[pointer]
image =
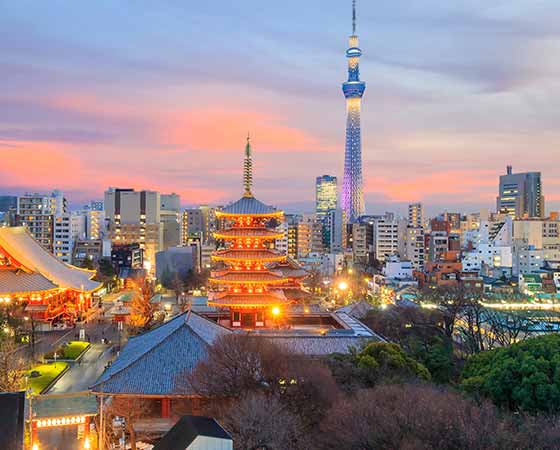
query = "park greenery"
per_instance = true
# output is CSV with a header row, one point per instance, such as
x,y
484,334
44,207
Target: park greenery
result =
x,y
522,377
40,377
70,350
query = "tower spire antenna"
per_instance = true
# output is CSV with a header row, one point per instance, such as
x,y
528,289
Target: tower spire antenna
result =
x,y
248,169
353,17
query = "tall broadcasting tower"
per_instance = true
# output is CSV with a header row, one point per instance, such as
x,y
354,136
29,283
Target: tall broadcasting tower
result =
x,y
352,185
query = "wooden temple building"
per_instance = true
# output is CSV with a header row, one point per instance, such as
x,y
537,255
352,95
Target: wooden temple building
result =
x,y
252,281
50,289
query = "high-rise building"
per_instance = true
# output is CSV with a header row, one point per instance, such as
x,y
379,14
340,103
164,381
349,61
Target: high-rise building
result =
x,y
415,215
520,194
47,219
135,217
170,220
388,234
325,194
414,247
201,222
353,89
309,235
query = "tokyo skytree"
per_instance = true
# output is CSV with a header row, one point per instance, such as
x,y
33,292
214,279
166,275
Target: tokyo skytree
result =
x,y
353,89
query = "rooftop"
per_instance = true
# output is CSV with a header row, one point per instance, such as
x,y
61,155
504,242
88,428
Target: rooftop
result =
x,y
18,243
250,206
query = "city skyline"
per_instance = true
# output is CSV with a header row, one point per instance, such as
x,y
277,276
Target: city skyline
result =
x,y
442,119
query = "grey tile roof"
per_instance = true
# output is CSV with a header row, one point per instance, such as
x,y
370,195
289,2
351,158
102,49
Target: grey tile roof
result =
x,y
321,345
15,282
153,362
248,205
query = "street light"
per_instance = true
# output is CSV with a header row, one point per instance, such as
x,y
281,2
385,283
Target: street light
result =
x,y
35,447
276,311
342,285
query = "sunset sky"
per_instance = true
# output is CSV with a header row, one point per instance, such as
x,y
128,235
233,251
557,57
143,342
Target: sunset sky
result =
x,y
161,94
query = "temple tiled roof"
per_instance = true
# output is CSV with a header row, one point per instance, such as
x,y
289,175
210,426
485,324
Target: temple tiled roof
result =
x,y
321,345
248,277
248,255
18,282
248,206
153,363
21,246
233,233
244,299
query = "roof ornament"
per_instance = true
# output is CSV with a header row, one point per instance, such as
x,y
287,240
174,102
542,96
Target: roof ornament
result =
x,y
353,17
248,169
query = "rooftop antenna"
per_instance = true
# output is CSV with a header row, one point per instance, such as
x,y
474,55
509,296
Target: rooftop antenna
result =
x,y
353,17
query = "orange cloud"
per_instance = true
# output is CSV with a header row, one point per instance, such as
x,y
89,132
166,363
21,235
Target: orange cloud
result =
x,y
455,185
219,129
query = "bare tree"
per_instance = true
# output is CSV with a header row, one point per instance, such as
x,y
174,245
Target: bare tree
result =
x,y
412,417
12,367
131,409
236,365
257,422
507,327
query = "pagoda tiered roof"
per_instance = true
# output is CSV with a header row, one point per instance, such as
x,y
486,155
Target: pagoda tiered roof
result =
x,y
248,300
289,268
247,277
248,206
243,255
255,233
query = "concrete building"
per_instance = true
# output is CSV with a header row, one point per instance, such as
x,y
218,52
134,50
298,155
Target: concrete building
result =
x,y
170,220
414,247
47,219
396,269
135,217
388,234
309,235
201,222
416,215
360,241
63,243
520,195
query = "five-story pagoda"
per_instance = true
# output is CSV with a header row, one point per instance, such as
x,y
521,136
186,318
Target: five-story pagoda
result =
x,y
244,280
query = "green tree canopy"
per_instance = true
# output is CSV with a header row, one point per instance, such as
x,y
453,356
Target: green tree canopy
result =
x,y
525,376
377,362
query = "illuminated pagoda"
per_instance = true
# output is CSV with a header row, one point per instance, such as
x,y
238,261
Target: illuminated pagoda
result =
x,y
50,289
251,279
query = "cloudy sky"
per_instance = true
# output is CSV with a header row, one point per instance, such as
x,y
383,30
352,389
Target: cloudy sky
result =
x,y
161,94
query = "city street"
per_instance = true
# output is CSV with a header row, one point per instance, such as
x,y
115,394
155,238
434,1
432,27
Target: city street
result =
x,y
82,374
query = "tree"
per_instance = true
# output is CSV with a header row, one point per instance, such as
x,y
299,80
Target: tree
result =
x,y
238,366
412,417
525,376
378,362
257,422
131,409
142,309
106,268
12,367
420,332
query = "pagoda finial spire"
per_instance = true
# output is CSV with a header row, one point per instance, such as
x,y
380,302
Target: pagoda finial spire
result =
x,y
353,17
248,169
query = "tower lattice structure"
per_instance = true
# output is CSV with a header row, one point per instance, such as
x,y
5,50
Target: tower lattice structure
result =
x,y
353,89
